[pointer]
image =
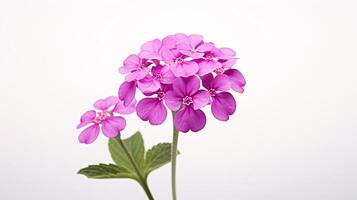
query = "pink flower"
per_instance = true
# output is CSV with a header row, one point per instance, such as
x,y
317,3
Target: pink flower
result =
x,y
192,45
187,99
153,109
136,67
104,118
223,103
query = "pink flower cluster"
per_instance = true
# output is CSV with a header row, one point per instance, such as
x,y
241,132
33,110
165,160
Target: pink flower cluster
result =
x,y
170,72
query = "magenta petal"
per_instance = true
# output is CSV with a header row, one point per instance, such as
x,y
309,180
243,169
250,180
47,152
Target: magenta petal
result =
x,y
108,130
227,64
169,42
150,50
167,76
86,118
113,125
205,47
121,109
148,84
89,135
200,99
223,105
168,55
228,52
130,64
138,74
186,86
189,119
172,100
207,66
182,38
237,80
185,69
207,81
183,47
104,104
195,40
117,122
151,109
221,83
127,92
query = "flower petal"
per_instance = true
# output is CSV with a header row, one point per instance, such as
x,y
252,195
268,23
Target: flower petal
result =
x,y
130,64
227,64
172,100
86,118
228,52
205,47
195,40
127,91
108,130
152,110
113,125
89,135
185,69
207,81
223,105
189,119
221,83
104,104
148,84
169,42
187,86
182,38
121,109
207,66
237,80
200,99
167,76
150,50
138,74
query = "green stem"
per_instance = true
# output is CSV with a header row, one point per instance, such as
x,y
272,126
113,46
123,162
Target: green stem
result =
x,y
173,159
142,180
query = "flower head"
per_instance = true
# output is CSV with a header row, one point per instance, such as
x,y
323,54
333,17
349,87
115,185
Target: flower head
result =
x,y
170,73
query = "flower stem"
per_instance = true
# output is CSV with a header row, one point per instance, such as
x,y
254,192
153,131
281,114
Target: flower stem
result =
x,y
173,159
142,181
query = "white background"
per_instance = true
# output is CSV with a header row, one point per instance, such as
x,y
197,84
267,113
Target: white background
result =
x,y
292,138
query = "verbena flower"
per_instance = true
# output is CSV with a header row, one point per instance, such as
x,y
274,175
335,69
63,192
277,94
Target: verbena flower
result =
x,y
103,118
187,98
170,73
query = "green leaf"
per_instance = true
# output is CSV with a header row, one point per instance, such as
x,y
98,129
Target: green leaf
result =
x,y
158,156
124,167
135,146
101,171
